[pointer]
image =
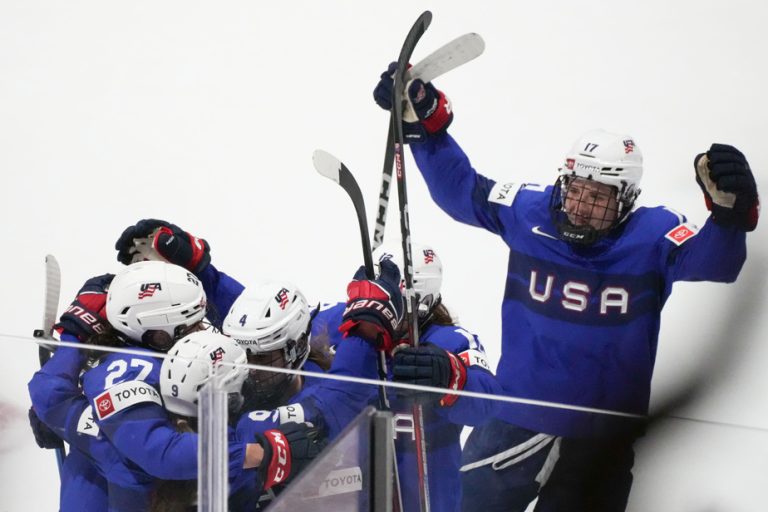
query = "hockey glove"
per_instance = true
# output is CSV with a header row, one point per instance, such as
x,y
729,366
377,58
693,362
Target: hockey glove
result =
x,y
153,239
44,436
287,452
375,308
427,111
87,314
729,187
429,365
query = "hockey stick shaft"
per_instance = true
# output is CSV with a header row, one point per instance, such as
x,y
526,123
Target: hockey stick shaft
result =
x,y
417,30
446,58
335,170
52,294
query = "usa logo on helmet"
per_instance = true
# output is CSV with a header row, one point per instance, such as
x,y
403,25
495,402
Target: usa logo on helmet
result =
x,y
282,298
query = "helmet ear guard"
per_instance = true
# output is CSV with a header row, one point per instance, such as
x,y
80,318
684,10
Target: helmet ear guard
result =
x,y
598,157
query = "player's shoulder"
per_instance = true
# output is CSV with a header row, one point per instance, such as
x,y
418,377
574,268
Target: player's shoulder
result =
x,y
517,193
452,338
661,224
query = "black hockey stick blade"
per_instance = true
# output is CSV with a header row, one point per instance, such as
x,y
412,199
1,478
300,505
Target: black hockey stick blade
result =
x,y
334,169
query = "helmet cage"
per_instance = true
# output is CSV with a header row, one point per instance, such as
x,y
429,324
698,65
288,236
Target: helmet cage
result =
x,y
266,389
585,233
605,158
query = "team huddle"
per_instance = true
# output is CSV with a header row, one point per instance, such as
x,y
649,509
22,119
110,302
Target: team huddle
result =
x,y
588,275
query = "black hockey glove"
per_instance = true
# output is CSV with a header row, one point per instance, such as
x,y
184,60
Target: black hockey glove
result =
x,y
44,436
87,314
287,451
729,187
152,239
428,111
375,308
429,365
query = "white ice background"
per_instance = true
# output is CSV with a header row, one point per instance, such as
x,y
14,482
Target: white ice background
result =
x,y
207,113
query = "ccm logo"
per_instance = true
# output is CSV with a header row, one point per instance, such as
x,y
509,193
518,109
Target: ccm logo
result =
x,y
280,445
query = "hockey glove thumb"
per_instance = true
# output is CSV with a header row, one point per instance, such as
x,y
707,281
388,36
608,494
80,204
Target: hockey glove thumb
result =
x,y
374,308
87,314
44,436
135,242
287,451
429,365
730,191
154,239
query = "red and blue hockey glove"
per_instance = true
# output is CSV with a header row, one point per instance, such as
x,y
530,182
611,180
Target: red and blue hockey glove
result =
x,y
374,308
287,451
729,187
87,314
429,365
44,436
151,239
428,111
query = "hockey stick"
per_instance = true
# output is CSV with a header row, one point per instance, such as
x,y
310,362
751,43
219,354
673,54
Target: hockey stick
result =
x,y
446,58
334,169
52,292
417,30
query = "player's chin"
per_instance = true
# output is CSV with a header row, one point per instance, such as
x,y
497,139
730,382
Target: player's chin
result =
x,y
578,221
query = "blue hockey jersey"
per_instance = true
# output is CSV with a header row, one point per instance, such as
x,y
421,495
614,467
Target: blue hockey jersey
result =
x,y
442,425
579,325
60,404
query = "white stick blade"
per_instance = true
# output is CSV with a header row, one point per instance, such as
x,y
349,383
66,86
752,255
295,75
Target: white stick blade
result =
x,y
448,57
52,290
326,164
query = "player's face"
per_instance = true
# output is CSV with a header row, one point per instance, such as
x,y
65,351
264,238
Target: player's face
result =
x,y
590,203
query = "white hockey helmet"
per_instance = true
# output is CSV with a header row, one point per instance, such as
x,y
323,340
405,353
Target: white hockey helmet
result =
x,y
271,322
608,158
152,297
191,363
427,273
268,316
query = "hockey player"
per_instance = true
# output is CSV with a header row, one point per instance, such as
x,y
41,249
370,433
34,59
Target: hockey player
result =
x,y
263,329
448,357
587,278
93,471
271,321
150,304
185,372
